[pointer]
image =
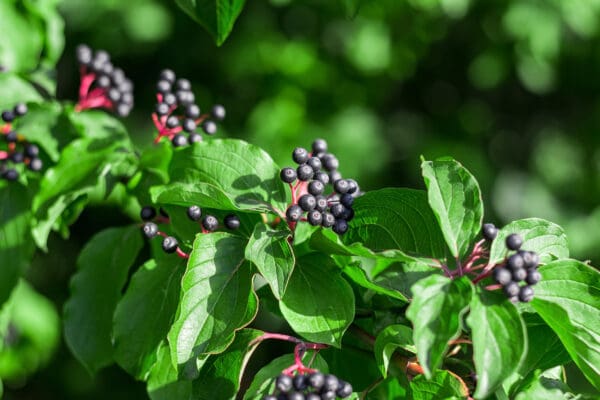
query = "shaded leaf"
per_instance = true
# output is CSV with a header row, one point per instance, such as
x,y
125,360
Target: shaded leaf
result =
x,y
442,385
388,341
216,16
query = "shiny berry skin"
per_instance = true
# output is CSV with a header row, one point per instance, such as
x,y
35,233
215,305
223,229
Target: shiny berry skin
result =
x,y
150,230
502,276
35,164
300,155
288,175
319,146
337,210
304,172
340,227
210,223
232,221
169,99
533,276
334,176
269,397
314,218
192,111
312,396
8,116
341,186
179,140
147,213
344,390
307,202
209,127
167,75
123,110
316,188
316,380
489,232
322,177
11,137
20,110
300,382
530,258
188,125
511,289
218,112
328,395
294,213
195,138
172,122
321,203
284,383
10,175
31,150
183,84
519,274
347,200
169,244
194,213
295,396
314,163
84,54
330,163
515,262
352,186
514,241
328,220
331,383
17,157
526,294
163,86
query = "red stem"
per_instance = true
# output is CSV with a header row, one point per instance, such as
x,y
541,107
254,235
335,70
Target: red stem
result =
x,y
86,83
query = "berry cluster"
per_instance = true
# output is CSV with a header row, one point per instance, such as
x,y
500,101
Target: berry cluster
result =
x,y
210,223
315,171
176,111
519,273
310,386
18,150
102,84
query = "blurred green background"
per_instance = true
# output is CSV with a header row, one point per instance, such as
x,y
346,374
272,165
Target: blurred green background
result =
x,y
510,89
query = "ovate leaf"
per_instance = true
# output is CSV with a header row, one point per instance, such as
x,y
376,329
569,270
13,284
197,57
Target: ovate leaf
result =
x,y
499,340
442,385
455,199
388,341
216,298
188,194
318,303
568,299
163,381
103,266
271,252
544,237
436,312
216,16
15,89
357,275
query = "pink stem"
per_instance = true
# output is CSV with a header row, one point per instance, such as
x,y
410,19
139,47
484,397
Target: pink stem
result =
x,y
493,287
86,83
3,155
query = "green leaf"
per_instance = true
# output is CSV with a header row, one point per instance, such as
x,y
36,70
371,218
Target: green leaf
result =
x,y
318,303
442,385
351,7
216,298
221,375
22,40
188,194
216,16
568,299
16,246
15,89
54,38
388,341
544,237
144,315
396,219
436,313
402,276
455,199
244,172
499,340
103,266
263,382
96,124
358,276
271,252
163,379
548,385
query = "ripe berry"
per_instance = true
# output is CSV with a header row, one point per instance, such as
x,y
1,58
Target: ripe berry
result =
x,y
300,382
150,229
519,274
331,383
334,176
162,109
179,140
114,95
344,390
294,213
163,86
511,289
304,172
10,175
288,175
321,203
210,223
316,188
172,122
209,127
502,276
185,97
315,218
316,380
514,241
189,125
347,200
31,150
123,110
84,54
330,163
312,396
17,157
328,220
232,221
218,112
269,397
307,202
300,155
20,110
340,227
8,116
192,111
526,294
319,146
167,75
169,99
183,84
117,76
103,81
284,383
515,262
11,137
295,396
194,213
195,138
341,186
322,177
533,276
314,163
147,213
530,258
352,186
489,232
35,164
337,210
170,244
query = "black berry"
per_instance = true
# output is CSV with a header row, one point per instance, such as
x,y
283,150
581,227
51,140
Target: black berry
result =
x,y
321,203
147,213
294,213
218,112
209,127
284,383
20,110
334,176
341,186
35,164
300,155
328,220
300,382
194,213
295,396
530,258
31,150
210,223
514,241
179,140
337,210
515,262
312,396
533,276
331,383
195,138
502,276
232,221
319,146
316,188
322,177
344,390
192,111
10,175
340,227
163,86
307,202
330,163
167,75
314,163
288,175
489,232
11,137
162,109
172,122
150,229
170,244
8,116
328,395
347,200
511,289
352,186
17,157
183,84
526,294
315,218
304,172
519,274
269,397
316,380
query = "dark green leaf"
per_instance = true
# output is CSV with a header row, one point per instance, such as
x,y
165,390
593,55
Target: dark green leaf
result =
x,y
396,219
351,7
96,124
221,375
216,299
436,313
103,266
54,38
188,194
271,252
402,276
216,16
358,276
15,89
318,303
22,41
16,246
548,385
499,340
455,199
544,237
143,316
388,341
163,378
568,299
245,173
442,385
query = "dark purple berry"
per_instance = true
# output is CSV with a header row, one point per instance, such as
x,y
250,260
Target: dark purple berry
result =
x,y
307,202
511,289
218,112
316,380
526,294
314,163
179,140
169,244
340,227
194,213
300,382
10,175
11,137
189,125
172,122
167,75
319,146
150,229
337,210
169,99
288,175
232,221
35,164
316,188
328,220
210,223
489,232
295,396
347,200
331,383
284,383
530,258
312,396
328,395
315,218
304,172
502,276
300,155
519,274
20,110
352,187
334,176
31,150
330,163
161,109
84,54
269,397
192,111
533,276
294,213
515,262
163,86
514,241
8,116
321,203
17,157
345,390
195,138
209,127
322,177
183,84
341,186
123,109
147,213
